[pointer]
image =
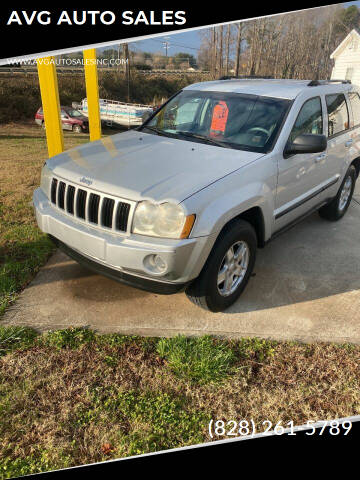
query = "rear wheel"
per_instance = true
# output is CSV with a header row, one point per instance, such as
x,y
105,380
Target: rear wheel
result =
x,y
227,270
337,208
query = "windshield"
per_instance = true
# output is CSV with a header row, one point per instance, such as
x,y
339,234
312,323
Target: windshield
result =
x,y
74,113
231,120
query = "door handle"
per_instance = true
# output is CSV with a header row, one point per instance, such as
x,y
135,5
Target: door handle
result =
x,y
349,143
320,157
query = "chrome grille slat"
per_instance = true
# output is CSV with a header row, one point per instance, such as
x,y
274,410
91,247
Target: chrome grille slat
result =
x,y
91,207
53,194
61,195
93,211
70,198
81,203
122,216
107,212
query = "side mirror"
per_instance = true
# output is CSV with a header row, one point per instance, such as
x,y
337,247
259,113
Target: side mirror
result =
x,y
306,143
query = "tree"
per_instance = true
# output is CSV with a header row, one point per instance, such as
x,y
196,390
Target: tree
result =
x,y
348,19
187,58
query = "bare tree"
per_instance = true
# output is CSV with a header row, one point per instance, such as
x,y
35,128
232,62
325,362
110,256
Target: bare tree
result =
x,y
238,48
227,49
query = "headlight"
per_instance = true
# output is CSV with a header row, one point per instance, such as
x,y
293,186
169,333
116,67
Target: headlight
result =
x,y
46,175
165,220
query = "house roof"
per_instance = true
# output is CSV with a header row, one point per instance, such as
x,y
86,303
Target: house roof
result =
x,y
339,48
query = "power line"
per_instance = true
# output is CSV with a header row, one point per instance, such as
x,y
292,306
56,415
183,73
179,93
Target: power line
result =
x,y
166,45
176,44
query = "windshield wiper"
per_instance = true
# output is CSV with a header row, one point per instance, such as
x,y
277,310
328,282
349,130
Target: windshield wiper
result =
x,y
155,130
209,140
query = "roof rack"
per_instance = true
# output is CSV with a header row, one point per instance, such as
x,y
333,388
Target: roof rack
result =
x,y
316,83
244,77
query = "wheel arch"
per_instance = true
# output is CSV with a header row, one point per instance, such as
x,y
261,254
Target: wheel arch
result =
x,y
255,217
356,163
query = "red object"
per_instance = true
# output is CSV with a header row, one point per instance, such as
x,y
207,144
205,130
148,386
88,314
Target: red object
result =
x,y
71,119
219,119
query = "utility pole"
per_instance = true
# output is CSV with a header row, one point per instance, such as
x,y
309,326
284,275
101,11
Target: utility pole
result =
x,y
166,45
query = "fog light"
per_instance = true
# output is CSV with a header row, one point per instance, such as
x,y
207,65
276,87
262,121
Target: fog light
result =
x,y
155,264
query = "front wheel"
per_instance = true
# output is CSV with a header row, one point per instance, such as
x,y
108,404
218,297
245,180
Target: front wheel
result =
x,y
77,129
336,209
227,270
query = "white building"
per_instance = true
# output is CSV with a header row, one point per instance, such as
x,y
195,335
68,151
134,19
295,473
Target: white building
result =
x,y
347,58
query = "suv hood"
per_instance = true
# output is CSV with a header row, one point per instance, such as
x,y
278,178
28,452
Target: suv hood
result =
x,y
137,166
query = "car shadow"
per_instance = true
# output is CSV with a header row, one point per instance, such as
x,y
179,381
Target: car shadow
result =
x,y
313,260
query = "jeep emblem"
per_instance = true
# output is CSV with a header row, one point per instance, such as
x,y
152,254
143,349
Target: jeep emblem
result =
x,y
87,181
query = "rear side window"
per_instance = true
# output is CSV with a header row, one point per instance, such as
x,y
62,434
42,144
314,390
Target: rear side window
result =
x,y
355,105
338,115
309,120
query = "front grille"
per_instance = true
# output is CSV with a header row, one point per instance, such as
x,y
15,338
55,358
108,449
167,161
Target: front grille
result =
x,y
90,207
61,195
53,189
122,216
70,197
81,203
107,212
94,208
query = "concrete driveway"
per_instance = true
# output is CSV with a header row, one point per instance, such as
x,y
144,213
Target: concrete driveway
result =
x,y
306,287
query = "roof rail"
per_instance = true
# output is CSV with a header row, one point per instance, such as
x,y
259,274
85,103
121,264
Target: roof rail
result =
x,y
316,83
244,77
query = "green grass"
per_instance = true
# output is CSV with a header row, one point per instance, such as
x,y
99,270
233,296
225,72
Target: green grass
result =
x,y
199,359
70,397
39,461
29,250
68,338
16,338
23,248
156,420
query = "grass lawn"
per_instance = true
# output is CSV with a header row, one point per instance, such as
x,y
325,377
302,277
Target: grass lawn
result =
x,y
71,397
23,248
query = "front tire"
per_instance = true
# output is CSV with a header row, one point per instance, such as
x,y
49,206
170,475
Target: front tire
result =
x,y
77,129
337,208
227,269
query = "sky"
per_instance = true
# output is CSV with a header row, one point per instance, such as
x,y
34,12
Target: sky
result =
x,y
188,42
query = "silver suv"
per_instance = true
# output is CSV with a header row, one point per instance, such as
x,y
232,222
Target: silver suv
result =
x,y
183,202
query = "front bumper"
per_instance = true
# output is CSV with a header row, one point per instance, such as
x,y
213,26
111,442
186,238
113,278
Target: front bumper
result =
x,y
121,257
137,282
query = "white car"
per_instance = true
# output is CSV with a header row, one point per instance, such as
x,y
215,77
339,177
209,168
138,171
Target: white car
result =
x,y
184,201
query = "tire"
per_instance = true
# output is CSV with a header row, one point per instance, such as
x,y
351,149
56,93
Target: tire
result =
x,y
77,129
43,124
207,291
337,208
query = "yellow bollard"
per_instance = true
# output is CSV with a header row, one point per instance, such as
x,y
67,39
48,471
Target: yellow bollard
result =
x,y
92,93
51,105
